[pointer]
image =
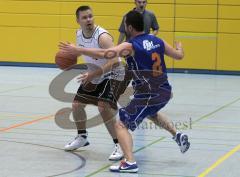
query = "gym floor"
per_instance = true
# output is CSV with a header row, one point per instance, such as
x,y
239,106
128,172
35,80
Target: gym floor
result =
x,y
206,107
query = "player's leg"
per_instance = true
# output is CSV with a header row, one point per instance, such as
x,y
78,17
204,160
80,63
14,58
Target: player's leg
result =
x,y
108,115
130,117
162,121
126,142
79,116
85,95
111,90
181,139
121,129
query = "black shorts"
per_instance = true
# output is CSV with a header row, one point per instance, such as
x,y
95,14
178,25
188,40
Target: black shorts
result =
x,y
108,91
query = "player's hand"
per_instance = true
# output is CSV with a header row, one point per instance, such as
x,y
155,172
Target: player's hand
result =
x,y
85,78
178,45
69,48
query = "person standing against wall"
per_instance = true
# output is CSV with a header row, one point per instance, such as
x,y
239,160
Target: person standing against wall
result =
x,y
150,21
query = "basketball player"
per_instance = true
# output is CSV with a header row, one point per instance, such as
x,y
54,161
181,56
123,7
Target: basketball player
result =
x,y
98,91
150,82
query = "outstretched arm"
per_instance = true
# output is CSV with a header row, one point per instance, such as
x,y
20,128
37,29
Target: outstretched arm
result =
x,y
107,52
177,53
77,51
121,50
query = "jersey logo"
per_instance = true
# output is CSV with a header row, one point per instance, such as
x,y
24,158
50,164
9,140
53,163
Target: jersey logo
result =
x,y
148,45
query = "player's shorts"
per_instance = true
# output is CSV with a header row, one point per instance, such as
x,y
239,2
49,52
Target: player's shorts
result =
x,y
143,105
108,90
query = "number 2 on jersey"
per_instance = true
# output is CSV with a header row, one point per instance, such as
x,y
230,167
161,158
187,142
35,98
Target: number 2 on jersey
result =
x,y
157,68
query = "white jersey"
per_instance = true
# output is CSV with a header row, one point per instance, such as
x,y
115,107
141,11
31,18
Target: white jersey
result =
x,y
94,63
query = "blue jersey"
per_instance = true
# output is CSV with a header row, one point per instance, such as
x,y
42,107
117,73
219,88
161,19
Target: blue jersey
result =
x,y
151,88
147,62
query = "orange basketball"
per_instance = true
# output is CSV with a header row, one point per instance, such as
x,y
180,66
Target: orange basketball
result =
x,y
65,60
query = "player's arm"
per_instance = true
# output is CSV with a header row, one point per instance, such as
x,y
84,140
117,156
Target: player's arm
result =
x,y
106,42
121,50
177,53
77,51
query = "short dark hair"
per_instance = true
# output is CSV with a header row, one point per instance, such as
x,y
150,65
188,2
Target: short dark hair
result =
x,y
135,19
82,8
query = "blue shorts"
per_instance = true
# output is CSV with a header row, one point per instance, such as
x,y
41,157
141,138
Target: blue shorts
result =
x,y
144,105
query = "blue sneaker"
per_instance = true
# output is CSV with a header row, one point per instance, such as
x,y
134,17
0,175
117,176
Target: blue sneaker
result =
x,y
182,141
124,167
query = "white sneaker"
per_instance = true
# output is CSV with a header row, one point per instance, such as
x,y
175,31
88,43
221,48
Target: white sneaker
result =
x,y
79,141
116,154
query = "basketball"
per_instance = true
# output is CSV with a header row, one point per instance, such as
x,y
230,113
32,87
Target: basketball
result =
x,y
65,60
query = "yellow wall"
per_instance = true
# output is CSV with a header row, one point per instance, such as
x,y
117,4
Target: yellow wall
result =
x,y
209,29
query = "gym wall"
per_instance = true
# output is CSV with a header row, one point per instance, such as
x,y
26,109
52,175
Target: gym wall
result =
x,y
209,29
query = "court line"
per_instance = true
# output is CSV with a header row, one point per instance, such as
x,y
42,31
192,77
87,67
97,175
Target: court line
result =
x,y
104,133
64,135
22,112
20,118
217,127
31,122
139,149
19,96
219,148
10,90
69,131
83,160
219,161
154,142
159,174
26,123
217,130
199,119
17,116
219,109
